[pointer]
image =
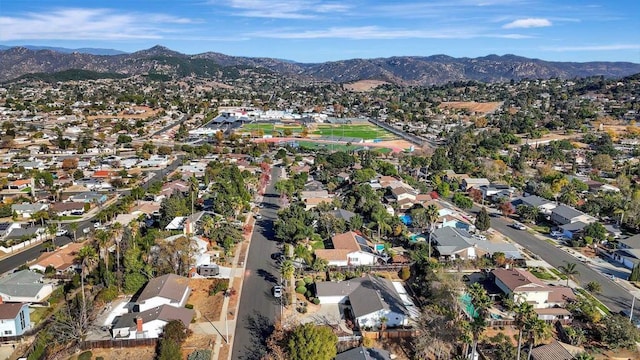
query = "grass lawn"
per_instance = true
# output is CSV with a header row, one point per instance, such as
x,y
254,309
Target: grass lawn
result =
x,y
558,273
70,217
542,229
542,274
595,301
362,131
551,242
38,314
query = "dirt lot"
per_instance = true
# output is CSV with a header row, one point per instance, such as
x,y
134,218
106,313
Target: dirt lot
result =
x,y
205,305
148,112
364,85
471,106
395,145
197,342
139,353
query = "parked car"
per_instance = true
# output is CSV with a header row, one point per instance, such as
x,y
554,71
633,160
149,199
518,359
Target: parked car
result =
x,y
86,230
556,234
61,232
277,291
258,217
519,226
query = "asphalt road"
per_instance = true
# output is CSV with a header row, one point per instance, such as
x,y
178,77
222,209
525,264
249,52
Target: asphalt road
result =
x,y
612,295
20,258
258,308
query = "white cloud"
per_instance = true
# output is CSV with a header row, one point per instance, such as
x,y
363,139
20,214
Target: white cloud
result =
x,y
609,47
284,9
527,23
88,24
379,33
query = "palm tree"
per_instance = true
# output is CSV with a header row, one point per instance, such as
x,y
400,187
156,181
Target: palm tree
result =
x,y
87,257
74,227
432,214
569,271
103,237
286,271
523,313
481,303
538,330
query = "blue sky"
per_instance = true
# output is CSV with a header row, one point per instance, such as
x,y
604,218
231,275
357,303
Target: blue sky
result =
x,y
318,30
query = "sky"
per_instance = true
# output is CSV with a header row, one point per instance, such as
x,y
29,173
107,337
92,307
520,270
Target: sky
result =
x,y
317,30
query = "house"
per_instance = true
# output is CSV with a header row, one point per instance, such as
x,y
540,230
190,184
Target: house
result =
x,y
343,214
168,289
452,243
313,202
628,252
20,184
495,192
18,233
14,319
24,286
572,229
543,205
563,214
475,183
174,186
555,350
6,228
371,298
88,198
27,210
150,323
349,249
364,353
63,259
523,286
68,208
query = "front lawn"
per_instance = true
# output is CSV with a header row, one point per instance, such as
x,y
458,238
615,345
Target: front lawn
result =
x,y
542,274
70,217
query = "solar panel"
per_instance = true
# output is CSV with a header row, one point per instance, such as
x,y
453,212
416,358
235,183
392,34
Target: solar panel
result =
x,y
361,240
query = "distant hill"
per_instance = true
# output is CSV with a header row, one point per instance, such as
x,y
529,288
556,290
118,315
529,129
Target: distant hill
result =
x,y
68,75
162,62
92,51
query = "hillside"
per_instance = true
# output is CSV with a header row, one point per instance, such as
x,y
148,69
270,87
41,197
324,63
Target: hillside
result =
x,y
406,70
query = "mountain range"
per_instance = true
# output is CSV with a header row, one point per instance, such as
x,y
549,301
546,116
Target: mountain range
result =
x,y
403,70
92,51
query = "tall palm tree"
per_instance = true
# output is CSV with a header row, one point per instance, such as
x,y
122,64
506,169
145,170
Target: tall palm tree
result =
x,y
569,271
74,228
481,303
432,214
523,315
103,237
538,330
87,257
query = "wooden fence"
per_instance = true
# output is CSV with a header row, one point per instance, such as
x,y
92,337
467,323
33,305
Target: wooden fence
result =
x,y
113,343
390,334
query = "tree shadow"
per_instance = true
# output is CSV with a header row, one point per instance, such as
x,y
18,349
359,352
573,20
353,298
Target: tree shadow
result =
x,y
267,276
260,327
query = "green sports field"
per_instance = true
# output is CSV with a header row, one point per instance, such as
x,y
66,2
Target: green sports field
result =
x,y
361,131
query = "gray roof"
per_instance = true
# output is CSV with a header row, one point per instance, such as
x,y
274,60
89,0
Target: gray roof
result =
x,y
24,283
19,233
367,294
534,200
170,286
566,212
576,226
343,214
450,240
363,353
552,351
164,312
28,207
632,242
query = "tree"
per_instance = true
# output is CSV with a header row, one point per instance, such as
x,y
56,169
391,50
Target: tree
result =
x,y
523,314
584,356
618,332
87,257
538,330
310,341
481,303
635,273
527,213
569,270
483,221
593,287
506,209
595,230
602,162
462,201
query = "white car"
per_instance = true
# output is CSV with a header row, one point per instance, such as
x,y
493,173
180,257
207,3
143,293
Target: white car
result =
x,y
517,225
555,234
277,291
61,232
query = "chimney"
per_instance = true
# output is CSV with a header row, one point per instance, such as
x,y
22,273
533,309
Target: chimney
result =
x,y
139,324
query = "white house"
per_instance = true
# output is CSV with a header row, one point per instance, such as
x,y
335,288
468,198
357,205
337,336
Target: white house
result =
x,y
169,289
563,214
349,249
14,319
523,286
543,205
27,210
372,298
150,323
24,286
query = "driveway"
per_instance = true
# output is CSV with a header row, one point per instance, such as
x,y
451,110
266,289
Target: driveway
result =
x,y
327,314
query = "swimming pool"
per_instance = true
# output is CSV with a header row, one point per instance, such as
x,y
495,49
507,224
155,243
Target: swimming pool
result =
x,y
465,299
406,219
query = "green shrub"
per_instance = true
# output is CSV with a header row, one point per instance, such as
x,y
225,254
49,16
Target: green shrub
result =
x,y
308,294
87,355
316,301
188,306
108,294
218,287
99,358
308,280
301,290
405,273
300,283
200,355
